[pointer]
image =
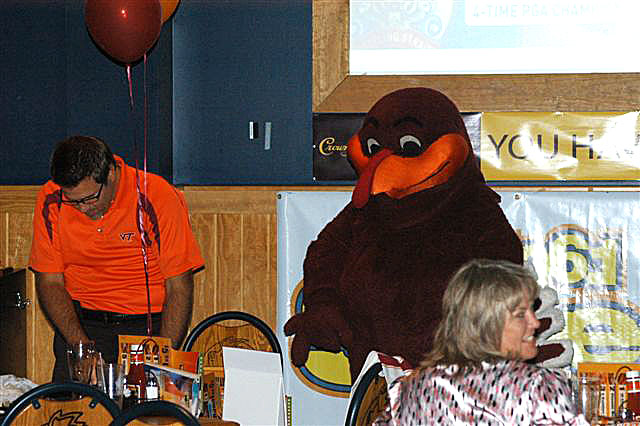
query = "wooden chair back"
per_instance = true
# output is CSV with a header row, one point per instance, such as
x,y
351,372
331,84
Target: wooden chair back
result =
x,y
83,405
369,399
229,333
374,402
50,412
227,329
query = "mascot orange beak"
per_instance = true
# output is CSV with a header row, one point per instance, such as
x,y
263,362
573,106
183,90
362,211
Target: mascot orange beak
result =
x,y
399,176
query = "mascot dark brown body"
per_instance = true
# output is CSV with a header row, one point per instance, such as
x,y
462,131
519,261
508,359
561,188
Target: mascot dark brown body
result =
x,y
375,275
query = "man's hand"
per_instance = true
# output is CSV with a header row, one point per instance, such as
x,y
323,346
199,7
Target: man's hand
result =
x,y
323,327
57,304
177,309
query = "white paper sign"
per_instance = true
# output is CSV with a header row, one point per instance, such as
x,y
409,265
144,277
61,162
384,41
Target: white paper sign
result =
x,y
253,389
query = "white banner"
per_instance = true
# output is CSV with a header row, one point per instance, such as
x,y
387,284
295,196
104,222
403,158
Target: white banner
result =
x,y
320,398
586,245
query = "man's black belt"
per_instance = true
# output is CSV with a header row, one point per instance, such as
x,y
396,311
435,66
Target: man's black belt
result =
x,y
107,317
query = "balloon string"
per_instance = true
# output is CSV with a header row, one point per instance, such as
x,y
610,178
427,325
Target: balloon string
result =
x,y
146,125
140,208
144,245
130,90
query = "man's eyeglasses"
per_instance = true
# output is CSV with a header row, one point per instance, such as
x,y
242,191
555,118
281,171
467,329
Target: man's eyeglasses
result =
x,y
89,199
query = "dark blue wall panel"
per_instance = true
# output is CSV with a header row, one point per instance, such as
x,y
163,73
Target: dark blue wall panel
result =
x,y
216,66
235,62
57,83
33,90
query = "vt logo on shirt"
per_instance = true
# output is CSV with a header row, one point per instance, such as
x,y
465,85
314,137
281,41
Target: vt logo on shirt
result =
x,y
127,236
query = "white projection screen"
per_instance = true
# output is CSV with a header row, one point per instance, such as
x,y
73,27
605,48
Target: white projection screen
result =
x,y
395,37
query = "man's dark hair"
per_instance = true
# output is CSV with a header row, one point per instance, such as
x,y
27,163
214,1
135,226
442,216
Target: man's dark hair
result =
x,y
79,157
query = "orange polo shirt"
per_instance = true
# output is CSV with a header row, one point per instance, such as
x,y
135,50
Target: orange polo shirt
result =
x,y
102,260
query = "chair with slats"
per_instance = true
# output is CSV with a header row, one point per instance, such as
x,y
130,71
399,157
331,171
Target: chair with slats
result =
x,y
369,399
227,329
61,403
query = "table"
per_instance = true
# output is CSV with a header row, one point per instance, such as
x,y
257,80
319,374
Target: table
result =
x,y
611,422
168,421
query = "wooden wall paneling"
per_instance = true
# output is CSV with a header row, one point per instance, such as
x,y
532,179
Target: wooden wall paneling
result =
x,y
16,209
231,199
204,228
258,275
229,290
20,224
244,266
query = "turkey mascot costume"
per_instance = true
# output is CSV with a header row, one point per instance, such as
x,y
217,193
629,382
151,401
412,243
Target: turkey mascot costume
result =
x,y
375,275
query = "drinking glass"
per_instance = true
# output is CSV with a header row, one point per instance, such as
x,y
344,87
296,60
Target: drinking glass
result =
x,y
586,395
111,380
83,360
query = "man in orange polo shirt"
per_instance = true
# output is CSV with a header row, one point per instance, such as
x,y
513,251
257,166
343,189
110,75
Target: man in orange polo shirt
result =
x,y
96,277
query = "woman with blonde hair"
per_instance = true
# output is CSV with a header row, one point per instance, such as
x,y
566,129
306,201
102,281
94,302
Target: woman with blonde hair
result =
x,y
475,373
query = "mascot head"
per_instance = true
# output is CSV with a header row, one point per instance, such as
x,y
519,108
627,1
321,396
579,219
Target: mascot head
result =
x,y
411,140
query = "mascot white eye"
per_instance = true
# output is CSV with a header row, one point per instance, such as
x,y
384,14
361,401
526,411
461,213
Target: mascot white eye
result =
x,y
373,146
410,146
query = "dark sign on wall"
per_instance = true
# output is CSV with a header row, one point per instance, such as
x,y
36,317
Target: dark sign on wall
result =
x,y
332,131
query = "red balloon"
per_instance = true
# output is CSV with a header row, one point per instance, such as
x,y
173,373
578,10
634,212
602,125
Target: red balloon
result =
x,y
125,29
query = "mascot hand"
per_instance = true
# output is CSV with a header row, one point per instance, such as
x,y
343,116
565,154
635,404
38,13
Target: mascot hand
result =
x,y
551,353
323,327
